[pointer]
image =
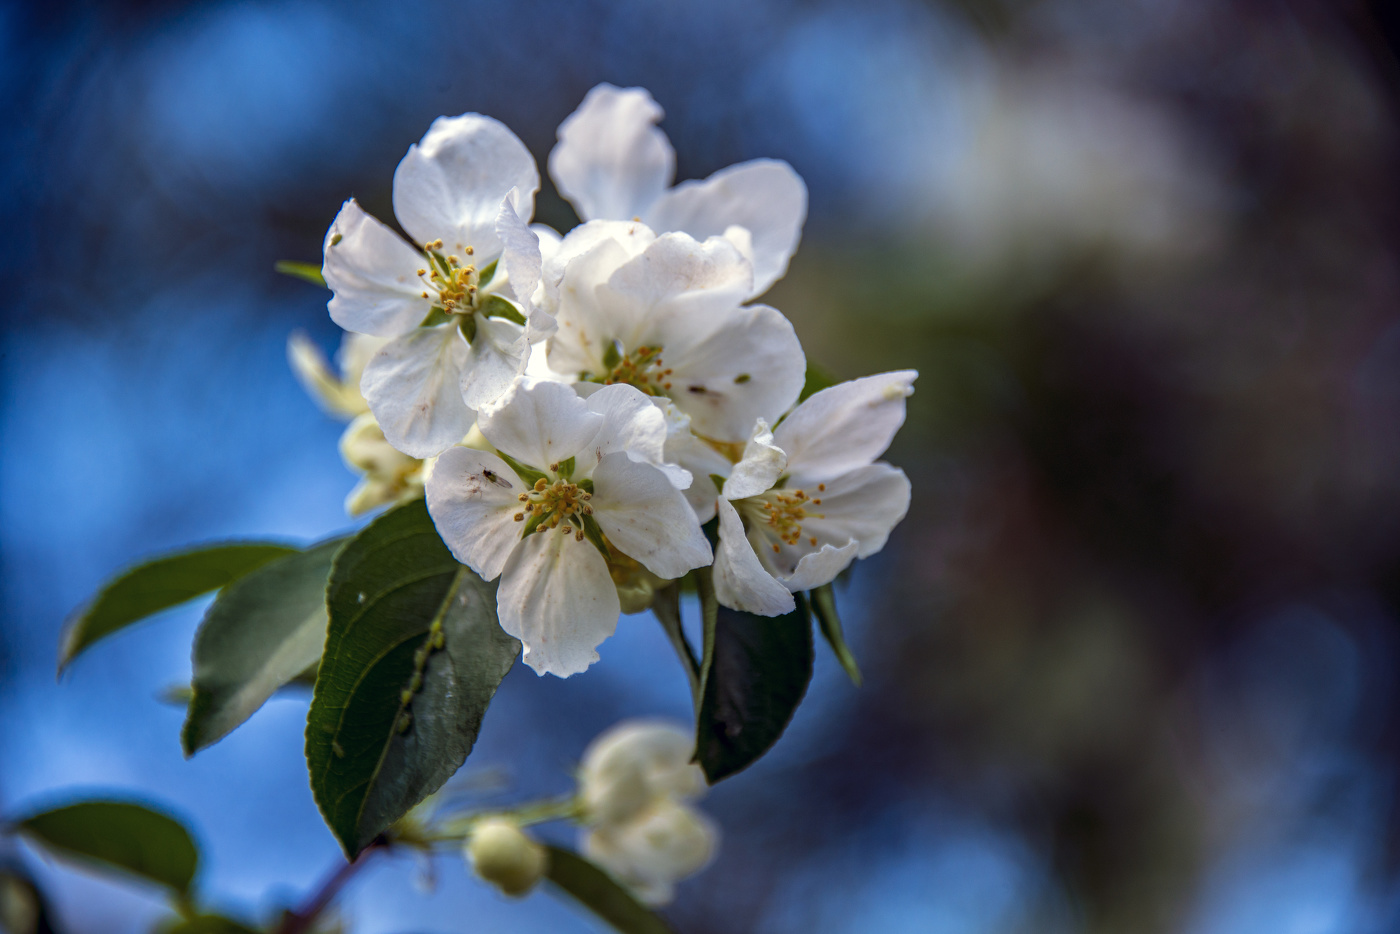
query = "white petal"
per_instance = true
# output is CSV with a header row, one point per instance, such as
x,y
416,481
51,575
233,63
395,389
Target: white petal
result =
x,y
701,461
845,426
588,322
611,161
864,504
741,582
677,271
354,353
821,567
764,196
632,425
631,238
731,368
519,266
657,753
647,518
540,423
450,185
374,275
759,468
413,386
557,597
496,357
663,844
550,240
472,497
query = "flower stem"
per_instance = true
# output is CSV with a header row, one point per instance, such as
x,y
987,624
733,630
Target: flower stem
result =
x,y
302,919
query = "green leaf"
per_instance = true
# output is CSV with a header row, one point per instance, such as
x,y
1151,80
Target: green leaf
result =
x,y
818,378
119,835
754,674
406,622
599,893
261,633
823,601
309,272
159,585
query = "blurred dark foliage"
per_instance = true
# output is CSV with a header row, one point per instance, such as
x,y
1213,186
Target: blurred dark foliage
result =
x,y
1143,619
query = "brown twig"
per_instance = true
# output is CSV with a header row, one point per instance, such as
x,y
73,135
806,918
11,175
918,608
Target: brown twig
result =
x,y
301,920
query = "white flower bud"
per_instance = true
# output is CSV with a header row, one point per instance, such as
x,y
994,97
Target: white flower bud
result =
x,y
501,853
666,842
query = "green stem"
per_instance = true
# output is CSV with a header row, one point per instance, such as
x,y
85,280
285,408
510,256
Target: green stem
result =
x,y
567,807
709,615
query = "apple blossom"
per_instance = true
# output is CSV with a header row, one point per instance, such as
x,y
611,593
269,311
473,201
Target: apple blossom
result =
x,y
808,498
586,470
634,782
613,163
455,306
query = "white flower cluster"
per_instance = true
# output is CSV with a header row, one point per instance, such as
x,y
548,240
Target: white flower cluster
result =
x,y
585,403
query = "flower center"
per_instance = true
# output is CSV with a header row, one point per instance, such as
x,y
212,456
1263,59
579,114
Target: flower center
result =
x,y
641,368
784,511
547,505
458,286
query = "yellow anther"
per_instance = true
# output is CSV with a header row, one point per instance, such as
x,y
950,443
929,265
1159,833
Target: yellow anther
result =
x,y
524,497
540,485
520,517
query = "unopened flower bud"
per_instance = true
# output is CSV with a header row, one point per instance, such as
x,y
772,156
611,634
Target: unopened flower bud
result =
x,y
501,853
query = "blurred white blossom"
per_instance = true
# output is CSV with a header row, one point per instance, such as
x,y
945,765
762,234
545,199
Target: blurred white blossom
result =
x,y
635,782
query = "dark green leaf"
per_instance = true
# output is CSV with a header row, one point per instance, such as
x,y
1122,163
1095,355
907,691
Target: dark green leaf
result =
x,y
309,272
818,378
160,584
261,633
119,835
755,672
823,601
395,591
205,924
596,891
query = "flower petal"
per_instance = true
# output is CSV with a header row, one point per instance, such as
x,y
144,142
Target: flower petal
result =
x,y
611,161
764,196
629,765
845,426
662,845
864,504
374,275
647,518
451,184
678,272
821,567
472,497
731,368
557,597
497,355
759,468
339,398
632,425
413,386
741,582
630,237
519,267
540,423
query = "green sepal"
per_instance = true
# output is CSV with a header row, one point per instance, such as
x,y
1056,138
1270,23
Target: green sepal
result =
x,y
436,317
494,306
823,601
528,474
611,356
597,891
119,835
486,275
160,584
307,272
566,468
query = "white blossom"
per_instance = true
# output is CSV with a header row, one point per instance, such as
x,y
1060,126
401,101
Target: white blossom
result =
x,y
634,782
455,305
665,314
573,492
613,163
808,498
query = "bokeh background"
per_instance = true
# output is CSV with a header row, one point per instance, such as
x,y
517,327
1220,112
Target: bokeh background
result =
x,y
1132,659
